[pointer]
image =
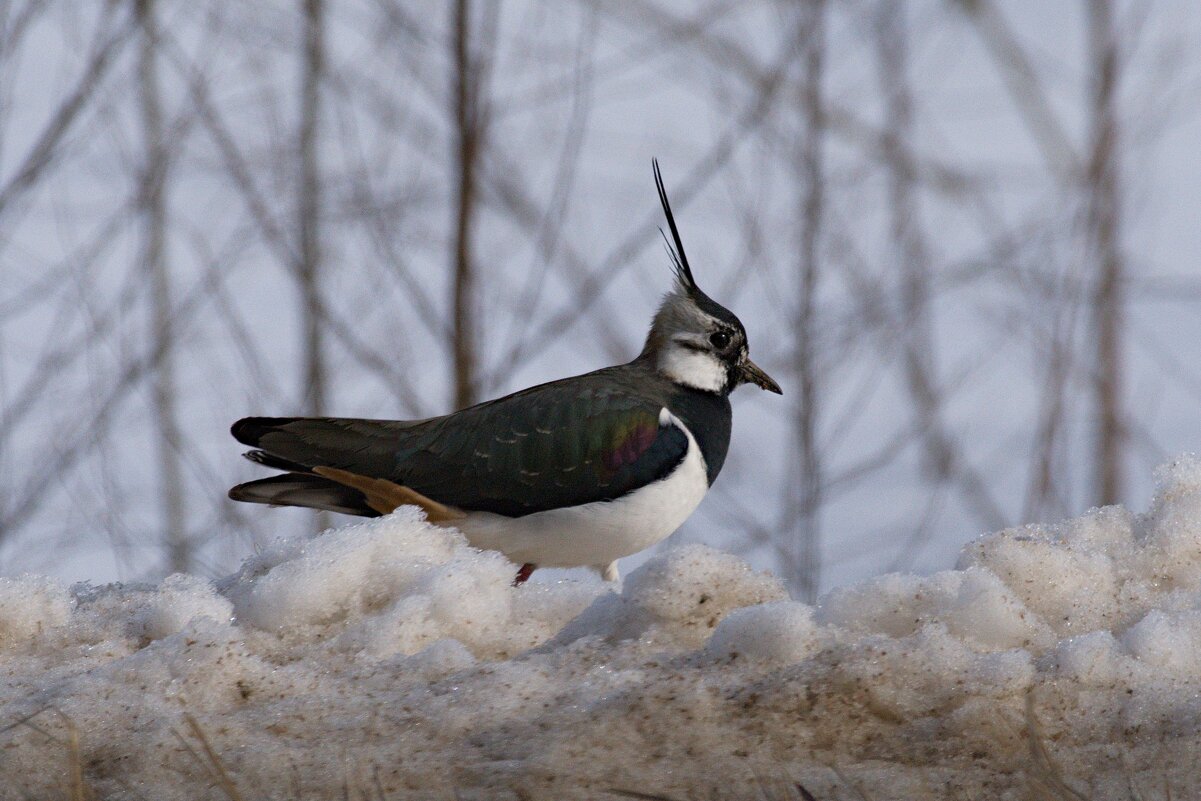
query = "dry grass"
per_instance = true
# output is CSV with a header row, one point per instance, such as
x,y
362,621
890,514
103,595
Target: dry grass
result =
x,y
208,759
1045,778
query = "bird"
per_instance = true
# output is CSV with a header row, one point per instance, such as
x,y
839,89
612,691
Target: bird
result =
x,y
577,472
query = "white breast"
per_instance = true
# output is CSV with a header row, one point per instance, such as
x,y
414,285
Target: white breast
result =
x,y
601,532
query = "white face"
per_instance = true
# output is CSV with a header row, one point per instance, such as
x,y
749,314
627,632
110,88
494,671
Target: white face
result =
x,y
689,360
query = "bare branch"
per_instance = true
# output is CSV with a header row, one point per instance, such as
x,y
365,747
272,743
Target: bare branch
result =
x,y
1025,88
46,146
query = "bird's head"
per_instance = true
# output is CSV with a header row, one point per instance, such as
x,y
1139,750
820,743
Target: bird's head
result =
x,y
694,340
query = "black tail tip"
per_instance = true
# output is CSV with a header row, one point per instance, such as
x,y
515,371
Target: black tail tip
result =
x,y
249,430
246,431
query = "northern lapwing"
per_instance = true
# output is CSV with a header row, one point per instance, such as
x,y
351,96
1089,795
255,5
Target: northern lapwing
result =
x,y
579,471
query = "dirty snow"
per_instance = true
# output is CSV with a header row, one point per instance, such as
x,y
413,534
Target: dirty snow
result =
x,y
390,660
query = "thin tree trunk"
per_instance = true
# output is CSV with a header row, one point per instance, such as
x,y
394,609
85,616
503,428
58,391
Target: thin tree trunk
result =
x,y
1043,491
467,130
309,208
153,211
308,222
909,254
941,458
808,469
1104,213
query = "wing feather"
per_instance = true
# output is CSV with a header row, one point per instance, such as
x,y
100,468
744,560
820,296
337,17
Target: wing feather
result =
x,y
560,444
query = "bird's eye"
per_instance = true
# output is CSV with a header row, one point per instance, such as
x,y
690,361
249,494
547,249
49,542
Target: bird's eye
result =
x,y
719,339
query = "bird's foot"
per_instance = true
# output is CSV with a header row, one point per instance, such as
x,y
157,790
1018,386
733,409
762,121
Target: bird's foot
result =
x,y
523,575
608,572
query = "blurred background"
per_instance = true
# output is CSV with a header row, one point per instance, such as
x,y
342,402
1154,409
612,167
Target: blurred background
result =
x,y
962,234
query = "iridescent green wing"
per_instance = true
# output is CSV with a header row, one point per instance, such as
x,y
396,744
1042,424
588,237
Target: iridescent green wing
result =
x,y
584,439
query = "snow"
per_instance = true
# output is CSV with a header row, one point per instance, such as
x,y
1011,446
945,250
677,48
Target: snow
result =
x,y
390,660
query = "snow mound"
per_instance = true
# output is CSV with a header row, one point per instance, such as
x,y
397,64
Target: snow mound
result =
x,y
390,660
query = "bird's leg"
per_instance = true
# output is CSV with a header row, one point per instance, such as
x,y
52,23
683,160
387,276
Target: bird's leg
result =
x,y
523,575
608,572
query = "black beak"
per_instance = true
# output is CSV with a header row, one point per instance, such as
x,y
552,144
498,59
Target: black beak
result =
x,y
751,374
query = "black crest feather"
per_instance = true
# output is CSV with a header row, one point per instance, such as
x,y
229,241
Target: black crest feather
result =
x,y
679,260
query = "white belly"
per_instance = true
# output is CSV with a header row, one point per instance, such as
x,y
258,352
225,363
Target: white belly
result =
x,y
601,532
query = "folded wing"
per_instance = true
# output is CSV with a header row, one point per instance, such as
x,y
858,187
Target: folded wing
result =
x,y
560,444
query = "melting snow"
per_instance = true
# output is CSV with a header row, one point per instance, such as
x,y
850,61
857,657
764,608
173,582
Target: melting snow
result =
x,y
390,660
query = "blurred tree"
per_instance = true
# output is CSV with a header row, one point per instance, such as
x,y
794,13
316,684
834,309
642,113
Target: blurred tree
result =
x,y
152,207
470,76
931,245
308,205
802,499
1103,243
